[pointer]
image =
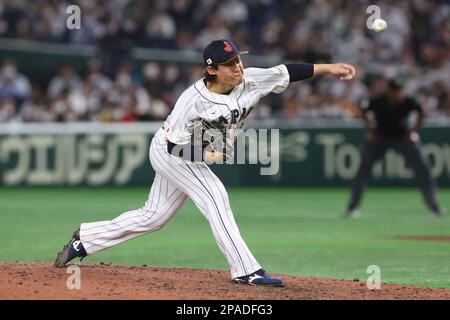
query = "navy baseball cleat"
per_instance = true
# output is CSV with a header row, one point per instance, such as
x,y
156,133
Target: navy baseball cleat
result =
x,y
259,278
70,251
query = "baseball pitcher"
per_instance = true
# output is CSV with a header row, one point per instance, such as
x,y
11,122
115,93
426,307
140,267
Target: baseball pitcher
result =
x,y
219,102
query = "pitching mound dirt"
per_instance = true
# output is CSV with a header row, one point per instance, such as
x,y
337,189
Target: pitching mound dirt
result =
x,y
42,281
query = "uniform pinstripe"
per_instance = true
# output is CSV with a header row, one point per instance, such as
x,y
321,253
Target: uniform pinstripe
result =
x,y
177,179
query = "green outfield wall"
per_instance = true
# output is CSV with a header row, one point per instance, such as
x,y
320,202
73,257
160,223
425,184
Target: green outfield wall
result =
x,y
310,156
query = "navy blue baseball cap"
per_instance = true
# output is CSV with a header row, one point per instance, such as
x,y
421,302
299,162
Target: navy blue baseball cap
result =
x,y
220,51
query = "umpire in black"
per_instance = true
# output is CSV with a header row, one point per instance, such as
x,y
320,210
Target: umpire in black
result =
x,y
391,111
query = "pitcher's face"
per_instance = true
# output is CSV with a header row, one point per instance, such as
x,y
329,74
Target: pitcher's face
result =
x,y
230,73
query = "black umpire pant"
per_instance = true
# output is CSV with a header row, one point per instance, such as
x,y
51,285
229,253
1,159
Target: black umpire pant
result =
x,y
411,151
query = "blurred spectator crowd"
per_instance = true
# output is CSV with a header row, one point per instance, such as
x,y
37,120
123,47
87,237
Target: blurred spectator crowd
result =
x,y
415,47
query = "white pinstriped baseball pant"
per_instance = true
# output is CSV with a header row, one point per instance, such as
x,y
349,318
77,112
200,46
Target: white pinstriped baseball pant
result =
x,y
176,180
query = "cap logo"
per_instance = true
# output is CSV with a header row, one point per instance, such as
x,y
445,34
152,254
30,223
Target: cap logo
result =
x,y
228,47
209,61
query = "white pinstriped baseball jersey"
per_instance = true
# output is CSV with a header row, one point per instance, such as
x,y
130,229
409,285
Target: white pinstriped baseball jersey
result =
x,y
197,102
176,179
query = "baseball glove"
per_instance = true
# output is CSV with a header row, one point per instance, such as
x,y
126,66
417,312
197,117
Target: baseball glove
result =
x,y
215,142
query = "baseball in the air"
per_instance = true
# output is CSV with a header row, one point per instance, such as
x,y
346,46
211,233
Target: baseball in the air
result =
x,y
379,25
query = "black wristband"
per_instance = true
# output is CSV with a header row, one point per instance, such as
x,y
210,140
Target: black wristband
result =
x,y
300,71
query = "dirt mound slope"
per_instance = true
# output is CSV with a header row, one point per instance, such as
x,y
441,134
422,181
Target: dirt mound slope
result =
x,y
104,281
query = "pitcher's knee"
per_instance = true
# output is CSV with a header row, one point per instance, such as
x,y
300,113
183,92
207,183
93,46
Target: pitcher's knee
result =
x,y
152,219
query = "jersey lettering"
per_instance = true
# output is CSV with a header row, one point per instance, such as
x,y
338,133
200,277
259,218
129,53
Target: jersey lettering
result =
x,y
234,116
245,113
222,119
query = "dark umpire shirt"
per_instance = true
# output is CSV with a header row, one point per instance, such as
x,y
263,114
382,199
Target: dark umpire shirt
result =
x,y
392,119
